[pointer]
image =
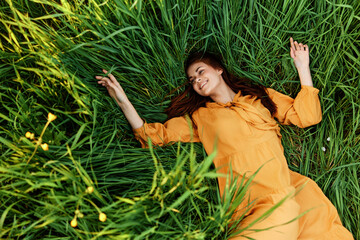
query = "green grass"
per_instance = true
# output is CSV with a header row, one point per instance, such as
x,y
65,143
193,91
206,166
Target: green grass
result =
x,y
50,53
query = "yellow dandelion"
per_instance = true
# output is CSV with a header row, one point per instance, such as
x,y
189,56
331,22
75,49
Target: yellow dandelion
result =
x,y
27,134
89,190
73,223
51,117
45,146
102,217
32,136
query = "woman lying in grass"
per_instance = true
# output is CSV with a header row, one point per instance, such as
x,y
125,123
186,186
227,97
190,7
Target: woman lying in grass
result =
x,y
238,116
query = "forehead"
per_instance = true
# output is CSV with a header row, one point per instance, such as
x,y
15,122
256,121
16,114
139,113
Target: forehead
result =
x,y
194,66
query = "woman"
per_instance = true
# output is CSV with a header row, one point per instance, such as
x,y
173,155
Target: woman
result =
x,y
239,118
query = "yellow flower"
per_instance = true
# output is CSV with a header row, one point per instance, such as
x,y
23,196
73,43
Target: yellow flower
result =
x,y
44,146
27,134
102,217
51,117
32,136
89,190
73,223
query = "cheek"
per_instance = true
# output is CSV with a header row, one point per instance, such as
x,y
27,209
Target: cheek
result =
x,y
197,90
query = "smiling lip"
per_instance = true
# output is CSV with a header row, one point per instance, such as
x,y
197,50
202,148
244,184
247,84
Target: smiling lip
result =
x,y
202,85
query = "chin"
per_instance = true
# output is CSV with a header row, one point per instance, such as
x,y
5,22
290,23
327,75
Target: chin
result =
x,y
204,94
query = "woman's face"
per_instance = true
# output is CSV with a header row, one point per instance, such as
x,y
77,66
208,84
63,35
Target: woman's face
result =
x,y
204,78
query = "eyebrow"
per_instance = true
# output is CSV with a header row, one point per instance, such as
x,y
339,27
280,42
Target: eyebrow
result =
x,y
195,71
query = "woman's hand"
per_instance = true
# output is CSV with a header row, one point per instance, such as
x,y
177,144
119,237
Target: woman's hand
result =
x,y
117,92
300,54
113,87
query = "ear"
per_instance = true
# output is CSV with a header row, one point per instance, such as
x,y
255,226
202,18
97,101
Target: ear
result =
x,y
220,71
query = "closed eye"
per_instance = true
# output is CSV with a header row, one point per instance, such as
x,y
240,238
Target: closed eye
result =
x,y
193,79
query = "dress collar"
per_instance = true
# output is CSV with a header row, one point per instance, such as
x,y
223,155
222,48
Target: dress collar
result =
x,y
228,104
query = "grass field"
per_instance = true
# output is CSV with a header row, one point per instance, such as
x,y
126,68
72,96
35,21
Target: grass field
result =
x,y
51,50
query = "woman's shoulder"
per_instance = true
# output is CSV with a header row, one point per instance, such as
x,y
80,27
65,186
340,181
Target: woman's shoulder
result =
x,y
199,113
205,113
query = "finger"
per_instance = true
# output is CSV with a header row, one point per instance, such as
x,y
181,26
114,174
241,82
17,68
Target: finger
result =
x,y
292,53
113,79
306,48
296,45
102,78
292,43
301,46
107,84
102,82
109,75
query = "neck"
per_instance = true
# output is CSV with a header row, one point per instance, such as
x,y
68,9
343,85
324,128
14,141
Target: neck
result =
x,y
223,94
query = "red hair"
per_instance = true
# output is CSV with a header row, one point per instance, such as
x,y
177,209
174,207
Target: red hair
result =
x,y
189,101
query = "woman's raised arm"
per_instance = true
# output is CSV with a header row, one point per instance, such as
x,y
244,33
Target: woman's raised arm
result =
x,y
300,54
117,92
175,129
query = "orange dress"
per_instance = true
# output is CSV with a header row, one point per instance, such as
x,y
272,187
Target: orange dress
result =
x,y
247,137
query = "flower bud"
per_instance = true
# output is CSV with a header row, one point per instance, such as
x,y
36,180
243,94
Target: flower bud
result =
x,y
73,223
102,217
27,134
51,117
89,190
32,136
44,146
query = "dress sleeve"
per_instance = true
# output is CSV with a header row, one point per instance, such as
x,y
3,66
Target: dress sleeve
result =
x,y
303,111
173,130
